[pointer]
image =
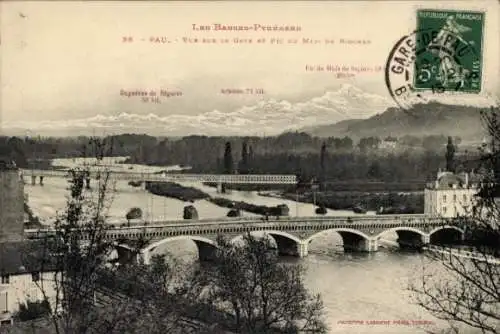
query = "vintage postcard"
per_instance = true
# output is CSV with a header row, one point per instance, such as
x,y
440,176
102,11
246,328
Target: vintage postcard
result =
x,y
353,134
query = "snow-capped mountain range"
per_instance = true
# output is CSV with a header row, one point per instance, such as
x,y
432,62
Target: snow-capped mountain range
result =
x,y
267,117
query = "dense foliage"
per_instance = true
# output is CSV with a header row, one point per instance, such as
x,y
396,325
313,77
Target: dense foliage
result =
x,y
134,213
410,158
33,310
465,292
262,294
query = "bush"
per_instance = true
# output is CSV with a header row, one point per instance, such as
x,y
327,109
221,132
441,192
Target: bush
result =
x,y
135,183
33,310
134,213
190,212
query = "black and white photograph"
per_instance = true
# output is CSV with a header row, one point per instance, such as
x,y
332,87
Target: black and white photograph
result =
x,y
253,167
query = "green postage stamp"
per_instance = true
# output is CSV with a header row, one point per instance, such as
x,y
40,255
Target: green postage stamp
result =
x,y
449,48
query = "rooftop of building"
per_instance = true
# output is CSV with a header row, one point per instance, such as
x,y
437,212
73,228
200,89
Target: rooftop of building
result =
x,y
22,257
449,180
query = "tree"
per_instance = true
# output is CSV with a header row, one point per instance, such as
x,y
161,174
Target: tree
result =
x,y
87,296
134,213
374,171
346,143
450,154
228,163
466,291
251,158
262,294
77,251
157,297
322,166
369,143
33,310
228,159
17,149
243,168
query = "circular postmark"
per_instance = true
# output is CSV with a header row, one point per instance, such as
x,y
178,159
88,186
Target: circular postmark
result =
x,y
431,61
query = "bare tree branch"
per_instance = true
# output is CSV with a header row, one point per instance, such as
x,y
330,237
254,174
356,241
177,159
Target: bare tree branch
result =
x,y
465,289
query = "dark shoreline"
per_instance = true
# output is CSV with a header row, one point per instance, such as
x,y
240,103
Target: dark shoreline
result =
x,y
383,203
191,194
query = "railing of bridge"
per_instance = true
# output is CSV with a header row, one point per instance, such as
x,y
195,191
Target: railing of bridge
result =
x,y
386,221
210,178
353,218
225,228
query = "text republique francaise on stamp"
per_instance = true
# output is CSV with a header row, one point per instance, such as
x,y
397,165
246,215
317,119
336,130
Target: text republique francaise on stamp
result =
x,y
443,54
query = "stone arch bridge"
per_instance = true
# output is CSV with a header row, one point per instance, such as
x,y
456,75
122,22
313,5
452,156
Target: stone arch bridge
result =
x,y
293,235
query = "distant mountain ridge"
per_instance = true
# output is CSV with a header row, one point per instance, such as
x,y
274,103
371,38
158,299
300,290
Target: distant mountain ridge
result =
x,y
346,111
265,117
421,120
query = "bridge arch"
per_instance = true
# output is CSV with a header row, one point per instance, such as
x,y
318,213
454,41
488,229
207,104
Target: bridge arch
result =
x,y
206,247
353,239
447,234
347,230
286,243
408,237
439,228
402,228
271,232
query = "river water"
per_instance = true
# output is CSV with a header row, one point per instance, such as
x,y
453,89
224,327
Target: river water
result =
x,y
356,288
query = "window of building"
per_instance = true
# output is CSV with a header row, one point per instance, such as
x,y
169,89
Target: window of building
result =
x,y
465,198
3,302
5,279
35,276
444,209
454,198
444,198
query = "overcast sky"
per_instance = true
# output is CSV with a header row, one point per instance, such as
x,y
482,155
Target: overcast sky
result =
x,y
67,60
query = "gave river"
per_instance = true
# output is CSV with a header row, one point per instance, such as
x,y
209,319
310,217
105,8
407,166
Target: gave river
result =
x,y
362,293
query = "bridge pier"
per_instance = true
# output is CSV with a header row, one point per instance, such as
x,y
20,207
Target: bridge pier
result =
x,y
303,249
372,245
144,257
289,247
356,243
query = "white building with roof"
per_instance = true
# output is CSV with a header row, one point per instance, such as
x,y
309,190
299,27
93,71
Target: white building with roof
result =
x,y
21,279
451,195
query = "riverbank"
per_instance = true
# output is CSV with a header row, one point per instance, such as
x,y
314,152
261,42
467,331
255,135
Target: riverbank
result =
x,y
191,194
253,187
280,210
175,190
32,220
383,203
335,186
464,252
